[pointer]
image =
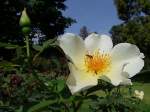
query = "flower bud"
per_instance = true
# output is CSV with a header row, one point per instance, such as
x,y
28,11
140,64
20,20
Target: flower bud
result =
x,y
139,94
24,20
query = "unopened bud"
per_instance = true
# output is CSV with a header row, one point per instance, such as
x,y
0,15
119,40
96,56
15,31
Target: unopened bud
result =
x,y
24,20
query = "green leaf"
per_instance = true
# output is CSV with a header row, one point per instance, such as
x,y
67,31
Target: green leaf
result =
x,y
42,105
8,45
60,85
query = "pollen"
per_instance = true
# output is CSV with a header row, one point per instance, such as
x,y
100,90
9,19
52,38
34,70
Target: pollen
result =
x,y
98,62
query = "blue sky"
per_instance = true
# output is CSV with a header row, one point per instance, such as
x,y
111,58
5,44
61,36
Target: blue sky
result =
x,y
97,15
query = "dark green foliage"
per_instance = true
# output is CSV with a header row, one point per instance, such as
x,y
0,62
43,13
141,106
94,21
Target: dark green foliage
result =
x,y
128,9
44,14
116,100
29,90
50,58
142,77
9,20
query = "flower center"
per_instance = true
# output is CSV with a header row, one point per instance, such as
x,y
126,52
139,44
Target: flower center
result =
x,y
98,63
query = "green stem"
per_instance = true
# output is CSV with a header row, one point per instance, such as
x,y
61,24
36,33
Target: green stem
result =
x,y
27,45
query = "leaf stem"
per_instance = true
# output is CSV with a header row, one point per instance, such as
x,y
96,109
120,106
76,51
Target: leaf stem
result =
x,y
27,45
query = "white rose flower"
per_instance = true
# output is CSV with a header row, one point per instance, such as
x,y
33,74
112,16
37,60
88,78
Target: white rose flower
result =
x,y
95,58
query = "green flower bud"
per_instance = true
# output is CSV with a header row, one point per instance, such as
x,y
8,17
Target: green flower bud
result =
x,y
24,20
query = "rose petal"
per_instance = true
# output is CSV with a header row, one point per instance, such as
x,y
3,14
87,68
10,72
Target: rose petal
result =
x,y
134,66
115,75
124,51
130,56
73,46
98,42
79,80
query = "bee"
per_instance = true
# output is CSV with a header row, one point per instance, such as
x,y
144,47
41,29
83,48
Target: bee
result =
x,y
89,56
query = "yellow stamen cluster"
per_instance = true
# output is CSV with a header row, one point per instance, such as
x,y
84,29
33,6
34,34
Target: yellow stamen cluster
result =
x,y
98,63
